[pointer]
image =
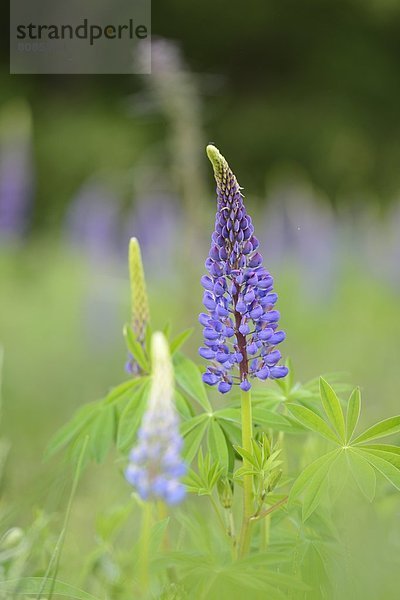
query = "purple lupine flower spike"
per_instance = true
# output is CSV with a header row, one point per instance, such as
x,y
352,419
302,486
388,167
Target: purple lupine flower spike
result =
x,y
241,323
155,464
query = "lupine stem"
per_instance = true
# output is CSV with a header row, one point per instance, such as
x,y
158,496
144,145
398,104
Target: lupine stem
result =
x,y
247,434
144,549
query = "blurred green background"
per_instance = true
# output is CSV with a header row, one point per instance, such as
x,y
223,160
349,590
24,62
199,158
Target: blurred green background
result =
x,y
303,99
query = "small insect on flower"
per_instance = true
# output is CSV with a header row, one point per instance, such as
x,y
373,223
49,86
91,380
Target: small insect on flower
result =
x,y
155,464
241,323
139,302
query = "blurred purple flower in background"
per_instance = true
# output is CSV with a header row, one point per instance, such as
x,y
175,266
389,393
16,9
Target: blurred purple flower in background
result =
x,y
155,218
16,171
301,230
240,326
375,238
92,230
92,223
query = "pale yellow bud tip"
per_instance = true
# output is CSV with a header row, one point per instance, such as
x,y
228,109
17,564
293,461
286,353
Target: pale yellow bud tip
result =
x,y
213,154
162,390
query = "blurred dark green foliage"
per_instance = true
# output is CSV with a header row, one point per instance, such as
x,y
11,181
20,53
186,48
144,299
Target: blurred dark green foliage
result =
x,y
309,83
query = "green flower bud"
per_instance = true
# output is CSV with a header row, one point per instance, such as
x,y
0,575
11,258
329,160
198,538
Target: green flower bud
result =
x,y
139,300
225,492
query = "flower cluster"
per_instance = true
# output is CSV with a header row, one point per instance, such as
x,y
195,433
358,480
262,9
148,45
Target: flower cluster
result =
x,y
139,301
241,323
155,464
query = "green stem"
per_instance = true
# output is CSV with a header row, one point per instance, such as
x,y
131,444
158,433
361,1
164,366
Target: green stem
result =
x,y
144,549
56,555
264,533
227,528
247,434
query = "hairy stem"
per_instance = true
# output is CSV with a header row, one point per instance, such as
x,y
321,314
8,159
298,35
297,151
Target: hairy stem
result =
x,y
247,434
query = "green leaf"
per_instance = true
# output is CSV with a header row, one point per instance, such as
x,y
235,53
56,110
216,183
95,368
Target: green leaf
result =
x,y
189,378
316,486
136,349
246,455
306,475
381,429
353,413
228,414
182,406
109,522
131,417
122,391
101,433
217,444
392,457
71,429
332,407
157,535
383,448
180,339
388,470
232,431
363,473
193,440
268,418
312,421
190,424
28,586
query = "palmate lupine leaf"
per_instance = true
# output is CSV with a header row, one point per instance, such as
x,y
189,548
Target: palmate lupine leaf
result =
x,y
332,407
80,424
209,473
362,461
353,413
316,487
381,429
385,467
217,444
211,577
183,406
179,340
188,377
312,421
131,416
363,473
102,433
194,438
213,428
304,479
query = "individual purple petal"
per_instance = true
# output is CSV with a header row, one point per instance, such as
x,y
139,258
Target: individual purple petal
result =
x,y
210,378
279,371
263,373
224,387
245,385
207,283
273,357
206,353
277,338
204,319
